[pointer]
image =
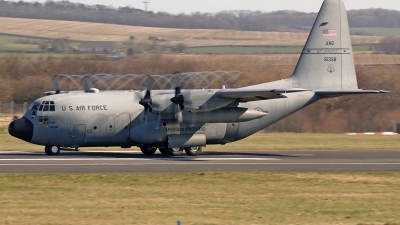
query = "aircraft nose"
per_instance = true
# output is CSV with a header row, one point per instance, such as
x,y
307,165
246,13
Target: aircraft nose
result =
x,y
22,129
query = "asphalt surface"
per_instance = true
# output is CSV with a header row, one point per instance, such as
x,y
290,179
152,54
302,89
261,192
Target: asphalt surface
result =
x,y
135,162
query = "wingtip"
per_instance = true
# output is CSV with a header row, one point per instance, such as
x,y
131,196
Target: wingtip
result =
x,y
384,92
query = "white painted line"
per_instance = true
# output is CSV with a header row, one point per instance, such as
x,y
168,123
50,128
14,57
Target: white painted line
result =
x,y
66,152
141,159
186,163
298,154
108,151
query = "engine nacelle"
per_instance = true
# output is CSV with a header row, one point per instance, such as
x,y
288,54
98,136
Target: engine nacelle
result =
x,y
225,115
195,101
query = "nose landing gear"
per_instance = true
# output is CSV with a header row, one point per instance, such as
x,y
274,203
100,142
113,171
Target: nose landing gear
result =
x,y
52,150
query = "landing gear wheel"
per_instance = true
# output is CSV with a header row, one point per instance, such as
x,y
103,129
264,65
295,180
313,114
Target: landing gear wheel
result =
x,y
164,151
52,150
175,151
193,151
148,150
171,151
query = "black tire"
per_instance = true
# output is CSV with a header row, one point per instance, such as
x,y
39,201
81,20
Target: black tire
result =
x,y
164,151
148,150
52,150
193,151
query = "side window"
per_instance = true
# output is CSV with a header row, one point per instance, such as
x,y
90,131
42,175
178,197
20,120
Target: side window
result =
x,y
44,120
34,106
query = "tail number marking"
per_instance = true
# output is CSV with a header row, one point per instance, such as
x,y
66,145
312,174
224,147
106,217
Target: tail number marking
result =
x,y
330,59
330,43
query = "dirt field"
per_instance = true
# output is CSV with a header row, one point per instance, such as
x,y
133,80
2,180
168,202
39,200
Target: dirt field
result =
x,y
120,33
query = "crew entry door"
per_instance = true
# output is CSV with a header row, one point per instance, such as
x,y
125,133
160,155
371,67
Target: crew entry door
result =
x,y
79,133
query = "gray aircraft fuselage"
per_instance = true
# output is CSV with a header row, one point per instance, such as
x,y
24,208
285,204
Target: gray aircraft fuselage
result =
x,y
109,118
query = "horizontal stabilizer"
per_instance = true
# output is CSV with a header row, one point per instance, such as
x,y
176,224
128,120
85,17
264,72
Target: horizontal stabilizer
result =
x,y
333,93
247,95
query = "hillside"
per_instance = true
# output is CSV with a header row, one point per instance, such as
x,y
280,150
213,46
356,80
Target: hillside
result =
x,y
121,33
229,20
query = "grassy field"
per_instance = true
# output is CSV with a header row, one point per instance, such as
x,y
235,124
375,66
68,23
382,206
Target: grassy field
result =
x,y
261,49
245,50
121,33
375,31
18,44
202,198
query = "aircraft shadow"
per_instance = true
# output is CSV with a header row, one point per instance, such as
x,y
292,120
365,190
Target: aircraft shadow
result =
x,y
133,155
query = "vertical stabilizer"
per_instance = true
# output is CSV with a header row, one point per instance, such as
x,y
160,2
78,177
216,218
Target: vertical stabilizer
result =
x,y
326,62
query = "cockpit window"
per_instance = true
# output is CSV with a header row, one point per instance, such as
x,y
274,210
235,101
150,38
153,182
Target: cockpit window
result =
x,y
47,106
34,106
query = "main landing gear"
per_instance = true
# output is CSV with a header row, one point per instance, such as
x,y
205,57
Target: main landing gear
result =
x,y
52,150
148,150
191,151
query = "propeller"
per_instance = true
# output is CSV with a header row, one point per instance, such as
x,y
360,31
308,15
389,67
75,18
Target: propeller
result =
x,y
178,99
147,102
56,85
86,84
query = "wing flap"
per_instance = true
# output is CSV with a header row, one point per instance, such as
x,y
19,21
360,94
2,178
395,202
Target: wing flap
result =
x,y
337,93
248,95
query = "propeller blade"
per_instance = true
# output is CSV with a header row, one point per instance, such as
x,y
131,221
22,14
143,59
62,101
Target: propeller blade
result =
x,y
145,115
176,80
146,101
178,99
181,106
56,85
149,82
85,82
179,115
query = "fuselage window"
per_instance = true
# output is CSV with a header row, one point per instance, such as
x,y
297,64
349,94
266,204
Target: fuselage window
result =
x,y
34,106
44,120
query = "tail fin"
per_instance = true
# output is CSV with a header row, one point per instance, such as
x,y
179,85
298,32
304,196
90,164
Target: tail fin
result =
x,y
326,62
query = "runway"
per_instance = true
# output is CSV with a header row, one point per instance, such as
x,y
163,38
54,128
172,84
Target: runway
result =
x,y
135,162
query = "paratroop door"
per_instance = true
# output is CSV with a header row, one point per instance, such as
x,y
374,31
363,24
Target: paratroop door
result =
x,y
79,133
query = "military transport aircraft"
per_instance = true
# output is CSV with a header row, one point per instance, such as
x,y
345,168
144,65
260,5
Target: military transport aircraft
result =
x,y
177,120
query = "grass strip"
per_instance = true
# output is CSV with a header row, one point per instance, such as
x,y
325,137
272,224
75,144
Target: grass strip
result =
x,y
202,198
261,142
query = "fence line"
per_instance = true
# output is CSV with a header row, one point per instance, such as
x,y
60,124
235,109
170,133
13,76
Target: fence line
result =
x,y
12,108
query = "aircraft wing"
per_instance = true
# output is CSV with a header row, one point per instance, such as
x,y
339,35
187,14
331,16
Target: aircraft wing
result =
x,y
248,95
336,93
